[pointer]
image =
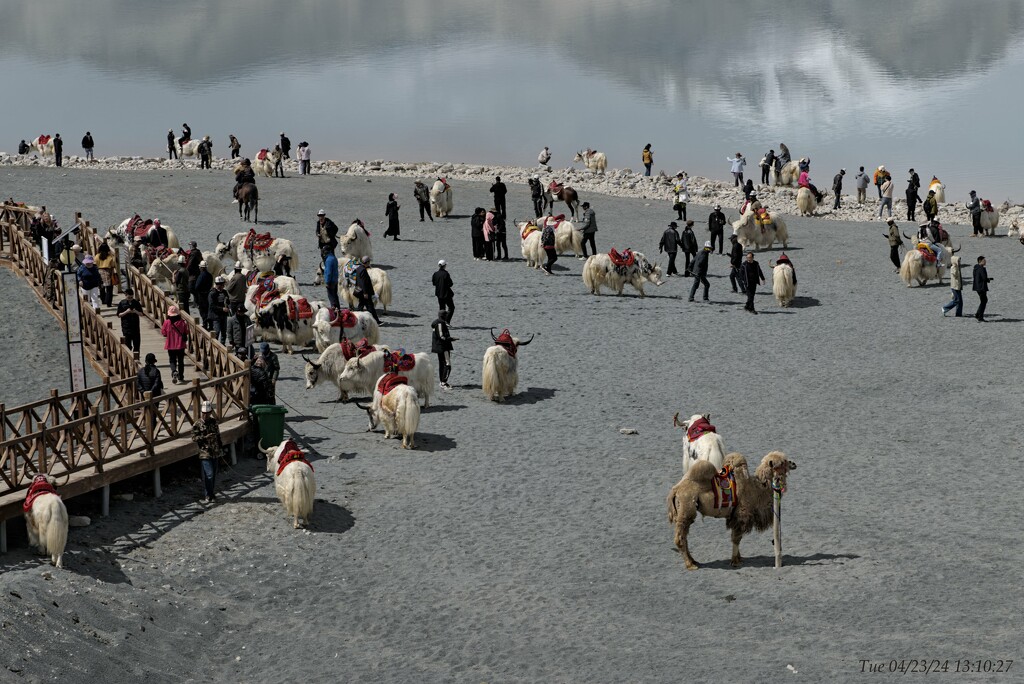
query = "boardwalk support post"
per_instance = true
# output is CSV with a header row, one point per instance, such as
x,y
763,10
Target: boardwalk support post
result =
x,y
105,502
234,453
157,492
3,536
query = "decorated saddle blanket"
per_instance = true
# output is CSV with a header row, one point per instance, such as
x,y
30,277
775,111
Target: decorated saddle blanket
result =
x,y
257,242
625,258
390,381
398,361
723,487
299,309
38,487
987,205
343,318
698,429
43,139
505,340
349,271
266,291
361,348
252,276
159,252
444,181
137,227
762,217
530,227
262,154
926,252
291,454
555,187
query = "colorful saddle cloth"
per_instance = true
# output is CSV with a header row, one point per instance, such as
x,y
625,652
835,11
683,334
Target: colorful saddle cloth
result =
x,y
399,361
299,309
291,454
257,242
723,487
38,487
343,318
390,381
698,429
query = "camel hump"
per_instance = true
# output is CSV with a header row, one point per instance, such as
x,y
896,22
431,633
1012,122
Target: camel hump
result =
x,y
735,460
701,472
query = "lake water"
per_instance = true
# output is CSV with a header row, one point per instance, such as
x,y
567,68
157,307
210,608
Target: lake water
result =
x,y
933,84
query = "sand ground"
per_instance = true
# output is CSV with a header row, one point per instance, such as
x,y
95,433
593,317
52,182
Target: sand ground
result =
x,y
528,541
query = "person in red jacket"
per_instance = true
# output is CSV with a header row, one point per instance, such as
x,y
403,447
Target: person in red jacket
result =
x,y
175,330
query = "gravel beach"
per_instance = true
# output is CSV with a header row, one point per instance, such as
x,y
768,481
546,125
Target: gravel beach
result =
x,y
528,541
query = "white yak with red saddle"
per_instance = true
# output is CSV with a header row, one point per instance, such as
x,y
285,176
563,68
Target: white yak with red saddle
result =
x,y
614,269
701,441
396,407
567,237
332,360
441,198
361,372
263,288
294,482
46,518
759,229
922,264
355,242
149,230
265,162
330,325
261,252
287,319
501,365
43,144
533,251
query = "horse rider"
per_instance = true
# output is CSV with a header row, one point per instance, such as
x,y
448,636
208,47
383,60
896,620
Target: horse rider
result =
x,y
244,175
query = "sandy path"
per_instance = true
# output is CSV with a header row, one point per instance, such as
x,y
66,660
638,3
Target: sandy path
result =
x,y
528,541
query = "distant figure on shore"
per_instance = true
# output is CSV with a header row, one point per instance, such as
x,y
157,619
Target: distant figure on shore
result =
x,y
58,150
537,195
205,151
880,175
766,166
647,156
912,197
278,157
234,146
837,187
738,162
286,146
172,148
930,206
422,195
895,242
391,212
588,226
303,155
974,206
443,290
87,145
499,190
681,196
862,180
716,226
544,157
670,244
885,189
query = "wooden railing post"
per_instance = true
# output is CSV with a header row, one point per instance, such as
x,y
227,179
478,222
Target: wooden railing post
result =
x,y
149,415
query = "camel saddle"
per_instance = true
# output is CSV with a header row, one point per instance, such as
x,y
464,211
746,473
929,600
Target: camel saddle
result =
x,y
343,318
43,139
257,242
926,252
38,487
136,227
530,227
505,340
698,429
398,361
262,154
291,454
390,381
361,348
723,488
299,309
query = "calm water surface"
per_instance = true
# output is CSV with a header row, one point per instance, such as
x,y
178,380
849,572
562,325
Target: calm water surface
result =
x,y
933,84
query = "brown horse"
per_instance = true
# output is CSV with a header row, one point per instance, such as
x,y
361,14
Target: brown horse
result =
x,y
248,197
565,194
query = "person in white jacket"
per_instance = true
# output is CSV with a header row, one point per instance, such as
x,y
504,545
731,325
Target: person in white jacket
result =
x,y
737,169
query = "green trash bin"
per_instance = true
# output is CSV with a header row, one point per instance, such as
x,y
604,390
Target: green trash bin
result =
x,y
270,418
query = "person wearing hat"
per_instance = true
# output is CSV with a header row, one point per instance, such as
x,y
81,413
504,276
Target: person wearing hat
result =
x,y
89,281
689,245
193,257
499,190
930,206
326,232
861,180
108,273
880,175
286,146
273,369
175,331
837,187
201,292
172,148
244,174
237,325
128,311
443,290
206,435
752,276
219,307
149,380
205,150
363,288
736,265
161,235
179,279
278,158
536,194
895,242
974,206
422,195
737,162
700,271
236,285
716,226
588,226
441,344
331,277
669,244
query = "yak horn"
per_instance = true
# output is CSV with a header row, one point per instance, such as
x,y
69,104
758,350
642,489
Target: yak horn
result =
x,y
523,344
306,359
268,452
366,408
954,251
675,420
906,236
492,335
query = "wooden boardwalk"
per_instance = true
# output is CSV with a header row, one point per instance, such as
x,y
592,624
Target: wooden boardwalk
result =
x,y
100,435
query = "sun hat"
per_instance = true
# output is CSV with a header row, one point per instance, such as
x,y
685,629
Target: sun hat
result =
x,y
673,224
442,262
172,310
207,407
193,243
717,207
321,213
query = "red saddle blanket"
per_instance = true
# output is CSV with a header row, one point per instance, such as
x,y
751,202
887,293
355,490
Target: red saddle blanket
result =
x,y
698,429
257,242
38,487
262,154
399,361
926,254
266,290
389,382
160,252
626,258
343,318
444,181
361,348
527,229
987,205
291,454
137,227
554,187
43,139
299,309
252,276
505,340
723,487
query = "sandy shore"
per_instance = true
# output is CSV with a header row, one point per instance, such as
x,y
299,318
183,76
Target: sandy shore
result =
x,y
528,541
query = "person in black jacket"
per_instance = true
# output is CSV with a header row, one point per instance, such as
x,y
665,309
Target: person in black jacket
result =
x,y
58,150
754,276
736,266
669,244
700,271
443,290
363,289
547,241
837,187
219,307
912,197
205,151
537,195
981,281
476,232
286,147
245,174
769,162
201,293
150,380
186,134
128,310
172,148
499,191
748,188
326,232
237,325
716,225
87,145
689,245
499,239
441,344
391,211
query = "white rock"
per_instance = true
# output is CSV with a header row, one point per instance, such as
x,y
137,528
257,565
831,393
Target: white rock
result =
x,y
79,521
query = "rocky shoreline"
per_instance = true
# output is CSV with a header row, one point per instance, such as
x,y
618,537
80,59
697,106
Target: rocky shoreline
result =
x,y
616,182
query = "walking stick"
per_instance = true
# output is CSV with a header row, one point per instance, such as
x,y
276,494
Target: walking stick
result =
x,y
777,519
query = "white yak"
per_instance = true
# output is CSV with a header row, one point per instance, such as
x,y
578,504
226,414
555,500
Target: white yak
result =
x,y
806,203
332,360
396,407
265,166
989,219
783,282
46,519
355,242
441,198
258,256
596,162
701,442
37,144
752,235
788,176
360,373
501,367
293,480
254,294
599,270
533,252
916,265
329,324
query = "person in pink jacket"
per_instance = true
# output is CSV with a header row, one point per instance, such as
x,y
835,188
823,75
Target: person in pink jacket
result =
x,y
175,330
489,233
804,181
